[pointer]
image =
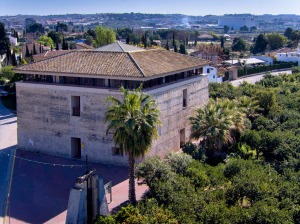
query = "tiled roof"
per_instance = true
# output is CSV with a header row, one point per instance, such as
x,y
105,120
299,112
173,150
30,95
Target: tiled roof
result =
x,y
85,46
140,64
156,62
49,54
119,47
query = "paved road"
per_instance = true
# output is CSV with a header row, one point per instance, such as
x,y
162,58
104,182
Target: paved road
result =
x,y
8,141
257,78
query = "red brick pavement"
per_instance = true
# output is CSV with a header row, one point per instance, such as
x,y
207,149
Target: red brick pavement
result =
x,y
40,192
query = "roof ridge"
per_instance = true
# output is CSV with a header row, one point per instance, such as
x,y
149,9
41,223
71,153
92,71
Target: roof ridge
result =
x,y
136,64
118,42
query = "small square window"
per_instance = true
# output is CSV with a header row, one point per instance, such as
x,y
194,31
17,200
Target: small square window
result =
x,y
116,151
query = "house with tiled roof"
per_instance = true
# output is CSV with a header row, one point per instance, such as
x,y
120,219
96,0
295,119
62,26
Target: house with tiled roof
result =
x,y
61,101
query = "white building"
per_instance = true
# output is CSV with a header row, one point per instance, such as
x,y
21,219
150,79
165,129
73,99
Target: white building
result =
x,y
212,74
289,57
13,41
236,22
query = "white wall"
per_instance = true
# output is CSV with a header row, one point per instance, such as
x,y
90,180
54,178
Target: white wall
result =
x,y
289,57
212,74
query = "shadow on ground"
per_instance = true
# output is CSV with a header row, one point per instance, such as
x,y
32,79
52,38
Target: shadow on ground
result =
x,y
40,191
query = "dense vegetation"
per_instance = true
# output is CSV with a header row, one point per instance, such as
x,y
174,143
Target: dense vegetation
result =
x,y
253,179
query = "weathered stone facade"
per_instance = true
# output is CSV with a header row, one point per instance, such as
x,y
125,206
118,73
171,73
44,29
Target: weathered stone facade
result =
x,y
46,124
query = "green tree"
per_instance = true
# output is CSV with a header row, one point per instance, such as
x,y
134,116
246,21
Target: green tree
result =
x,y
37,27
134,121
7,72
216,124
182,49
34,50
196,38
222,40
244,29
167,45
13,59
288,33
61,27
55,36
175,48
249,106
261,44
226,29
46,41
104,36
4,41
276,40
253,29
27,54
239,44
57,46
296,37
173,42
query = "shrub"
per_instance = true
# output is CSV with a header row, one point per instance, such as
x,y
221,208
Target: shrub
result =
x,y
179,162
153,170
195,151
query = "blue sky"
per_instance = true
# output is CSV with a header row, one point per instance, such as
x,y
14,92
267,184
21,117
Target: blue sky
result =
x,y
188,7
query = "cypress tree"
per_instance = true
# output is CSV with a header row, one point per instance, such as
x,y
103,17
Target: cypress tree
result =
x,y
57,46
167,45
8,56
186,41
174,44
13,59
175,48
63,44
182,49
145,42
222,42
127,39
27,54
40,48
34,50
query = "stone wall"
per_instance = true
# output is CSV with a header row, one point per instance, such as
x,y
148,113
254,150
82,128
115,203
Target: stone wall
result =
x,y
45,122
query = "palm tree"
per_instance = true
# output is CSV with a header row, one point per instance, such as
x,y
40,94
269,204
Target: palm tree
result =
x,y
134,121
249,106
216,124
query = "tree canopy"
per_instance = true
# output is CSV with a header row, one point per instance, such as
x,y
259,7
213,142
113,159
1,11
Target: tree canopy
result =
x,y
37,27
55,36
4,41
7,72
276,40
261,44
104,36
46,41
239,44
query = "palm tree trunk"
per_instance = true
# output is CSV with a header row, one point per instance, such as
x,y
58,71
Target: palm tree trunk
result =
x,y
131,163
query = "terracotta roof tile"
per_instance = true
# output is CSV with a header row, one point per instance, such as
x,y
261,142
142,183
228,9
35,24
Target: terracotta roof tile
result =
x,y
49,54
140,64
155,62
